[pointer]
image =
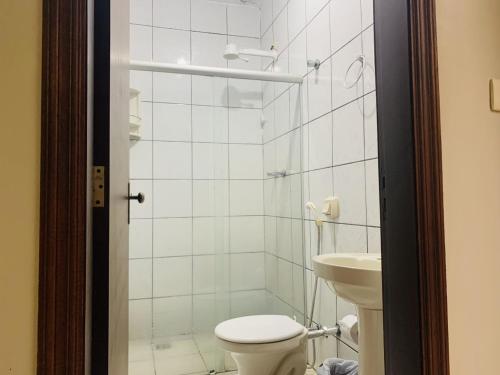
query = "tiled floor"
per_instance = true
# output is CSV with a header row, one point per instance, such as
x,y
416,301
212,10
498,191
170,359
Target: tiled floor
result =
x,y
177,356
181,355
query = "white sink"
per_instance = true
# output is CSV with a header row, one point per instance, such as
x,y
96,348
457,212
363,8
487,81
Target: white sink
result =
x,y
357,278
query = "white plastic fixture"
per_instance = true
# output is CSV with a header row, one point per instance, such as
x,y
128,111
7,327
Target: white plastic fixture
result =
x,y
232,52
357,278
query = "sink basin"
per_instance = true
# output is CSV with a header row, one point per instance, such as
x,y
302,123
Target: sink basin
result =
x,y
356,278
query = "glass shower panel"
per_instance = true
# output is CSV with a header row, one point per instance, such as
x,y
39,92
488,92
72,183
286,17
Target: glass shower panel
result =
x,y
245,210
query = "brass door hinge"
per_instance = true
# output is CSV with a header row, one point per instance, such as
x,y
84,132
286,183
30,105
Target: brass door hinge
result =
x,y
98,186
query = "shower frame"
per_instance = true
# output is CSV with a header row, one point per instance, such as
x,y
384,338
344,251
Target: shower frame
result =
x,y
415,328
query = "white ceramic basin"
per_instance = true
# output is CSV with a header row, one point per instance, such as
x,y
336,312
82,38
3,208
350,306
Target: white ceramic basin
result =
x,y
356,278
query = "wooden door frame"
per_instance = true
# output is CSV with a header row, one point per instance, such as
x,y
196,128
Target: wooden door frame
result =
x,y
410,168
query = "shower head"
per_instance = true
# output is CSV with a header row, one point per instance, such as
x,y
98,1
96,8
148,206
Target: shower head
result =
x,y
232,52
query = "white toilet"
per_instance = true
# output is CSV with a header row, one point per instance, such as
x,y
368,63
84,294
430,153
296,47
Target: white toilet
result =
x,y
265,344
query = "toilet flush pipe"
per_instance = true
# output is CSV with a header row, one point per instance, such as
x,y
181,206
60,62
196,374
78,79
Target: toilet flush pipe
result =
x,y
319,223
323,332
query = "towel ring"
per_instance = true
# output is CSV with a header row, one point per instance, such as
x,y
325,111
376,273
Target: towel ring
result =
x,y
362,60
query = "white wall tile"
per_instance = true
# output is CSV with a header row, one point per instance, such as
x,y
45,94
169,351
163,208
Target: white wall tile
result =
x,y
140,238
369,53
280,29
346,22
204,270
244,93
282,114
266,14
245,162
146,113
320,90
145,209
246,197
366,13
171,46
171,160
278,6
297,229
141,160
296,17
284,238
320,142
210,235
341,61
172,276
172,316
248,303
141,12
210,124
208,16
172,198
247,271
348,133
142,81
374,241
141,46
210,161
269,158
268,127
349,187
172,237
245,125
270,195
243,21
208,49
350,239
210,197
318,36
172,88
247,233
174,14
370,120
140,323
171,122
210,91
140,278
372,193
298,55
313,7
285,281
270,234
271,263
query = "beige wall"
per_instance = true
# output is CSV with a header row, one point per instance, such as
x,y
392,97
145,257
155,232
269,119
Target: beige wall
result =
x,y
20,69
469,54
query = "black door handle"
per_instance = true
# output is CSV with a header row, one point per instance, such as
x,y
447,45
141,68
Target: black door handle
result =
x,y
140,197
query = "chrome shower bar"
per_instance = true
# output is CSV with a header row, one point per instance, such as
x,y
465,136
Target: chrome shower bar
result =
x,y
277,174
256,75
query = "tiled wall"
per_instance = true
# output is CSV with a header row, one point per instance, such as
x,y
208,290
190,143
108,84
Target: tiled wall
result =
x,y
199,162
340,144
203,161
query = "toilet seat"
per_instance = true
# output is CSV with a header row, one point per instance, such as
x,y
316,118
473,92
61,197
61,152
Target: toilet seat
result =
x,y
259,329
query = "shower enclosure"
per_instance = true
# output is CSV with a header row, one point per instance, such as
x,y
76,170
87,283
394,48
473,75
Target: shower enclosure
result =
x,y
220,234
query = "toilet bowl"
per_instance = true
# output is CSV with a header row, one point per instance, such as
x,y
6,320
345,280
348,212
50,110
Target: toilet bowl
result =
x,y
264,344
